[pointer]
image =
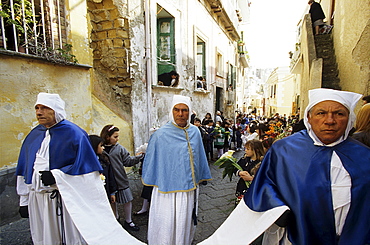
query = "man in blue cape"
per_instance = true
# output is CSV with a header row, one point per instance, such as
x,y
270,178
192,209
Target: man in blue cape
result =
x,y
175,163
314,183
59,183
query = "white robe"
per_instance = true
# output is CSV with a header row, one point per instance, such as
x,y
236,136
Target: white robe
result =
x,y
170,218
87,215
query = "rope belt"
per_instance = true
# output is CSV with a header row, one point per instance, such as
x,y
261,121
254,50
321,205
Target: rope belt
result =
x,y
59,211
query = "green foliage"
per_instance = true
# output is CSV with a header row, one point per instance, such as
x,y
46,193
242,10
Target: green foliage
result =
x,y
61,56
229,164
23,18
66,53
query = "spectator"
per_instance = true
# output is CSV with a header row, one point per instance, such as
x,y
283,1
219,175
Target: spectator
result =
x,y
218,117
169,79
362,132
366,99
317,15
107,174
206,118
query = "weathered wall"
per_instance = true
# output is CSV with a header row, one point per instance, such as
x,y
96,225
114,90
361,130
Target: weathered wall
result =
x,y
110,43
285,94
351,36
77,29
22,80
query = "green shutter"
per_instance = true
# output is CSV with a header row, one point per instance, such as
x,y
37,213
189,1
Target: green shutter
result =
x,y
166,56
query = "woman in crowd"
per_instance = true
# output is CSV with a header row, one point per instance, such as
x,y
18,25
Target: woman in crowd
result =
x,y
362,126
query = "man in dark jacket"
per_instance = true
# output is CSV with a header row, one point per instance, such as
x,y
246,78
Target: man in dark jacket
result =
x,y
169,79
317,15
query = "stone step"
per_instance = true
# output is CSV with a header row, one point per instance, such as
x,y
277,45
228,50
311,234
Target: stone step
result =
x,y
325,50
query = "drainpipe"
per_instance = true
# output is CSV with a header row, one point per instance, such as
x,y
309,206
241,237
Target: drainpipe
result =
x,y
148,54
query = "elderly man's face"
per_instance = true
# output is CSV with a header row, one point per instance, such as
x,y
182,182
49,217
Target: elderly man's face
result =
x,y
328,120
181,114
45,115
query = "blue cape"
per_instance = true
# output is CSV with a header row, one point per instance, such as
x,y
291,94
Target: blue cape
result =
x,y
296,173
175,159
69,150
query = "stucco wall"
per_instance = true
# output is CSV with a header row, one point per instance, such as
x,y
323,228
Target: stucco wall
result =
x,y
351,35
22,80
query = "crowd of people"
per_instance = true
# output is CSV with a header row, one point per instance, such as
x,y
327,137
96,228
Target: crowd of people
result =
x,y
220,134
70,183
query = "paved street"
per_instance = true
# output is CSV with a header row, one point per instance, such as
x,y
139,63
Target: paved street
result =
x,y
216,201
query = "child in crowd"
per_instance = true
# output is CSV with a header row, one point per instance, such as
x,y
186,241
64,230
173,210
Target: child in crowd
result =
x,y
219,135
267,143
107,174
228,136
197,122
209,139
120,158
250,163
238,138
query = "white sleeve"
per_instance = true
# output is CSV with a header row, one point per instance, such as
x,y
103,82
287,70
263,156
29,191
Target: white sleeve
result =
x,y
23,191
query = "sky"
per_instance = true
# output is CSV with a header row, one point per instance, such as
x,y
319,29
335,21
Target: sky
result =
x,y
272,31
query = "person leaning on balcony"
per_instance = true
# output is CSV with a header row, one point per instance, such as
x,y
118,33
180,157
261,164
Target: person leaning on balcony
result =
x,y
169,79
317,15
59,183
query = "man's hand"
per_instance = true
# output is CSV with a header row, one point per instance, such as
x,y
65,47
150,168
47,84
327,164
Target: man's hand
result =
x,y
23,211
47,178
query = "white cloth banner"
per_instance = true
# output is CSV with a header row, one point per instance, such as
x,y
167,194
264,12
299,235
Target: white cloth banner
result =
x,y
244,225
86,201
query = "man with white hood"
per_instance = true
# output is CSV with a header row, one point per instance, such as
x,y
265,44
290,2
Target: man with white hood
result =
x,y
59,183
315,183
175,163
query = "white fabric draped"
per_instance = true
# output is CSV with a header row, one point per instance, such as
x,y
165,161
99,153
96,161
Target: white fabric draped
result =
x,y
170,218
244,225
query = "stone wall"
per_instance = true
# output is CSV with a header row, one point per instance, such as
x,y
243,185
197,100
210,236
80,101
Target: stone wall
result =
x,y
110,44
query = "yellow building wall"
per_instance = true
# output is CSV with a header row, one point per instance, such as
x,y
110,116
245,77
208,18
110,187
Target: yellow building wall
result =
x,y
351,35
21,80
79,35
23,77
285,95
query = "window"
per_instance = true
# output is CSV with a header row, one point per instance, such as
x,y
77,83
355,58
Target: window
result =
x,y
166,54
32,26
219,65
200,69
231,78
